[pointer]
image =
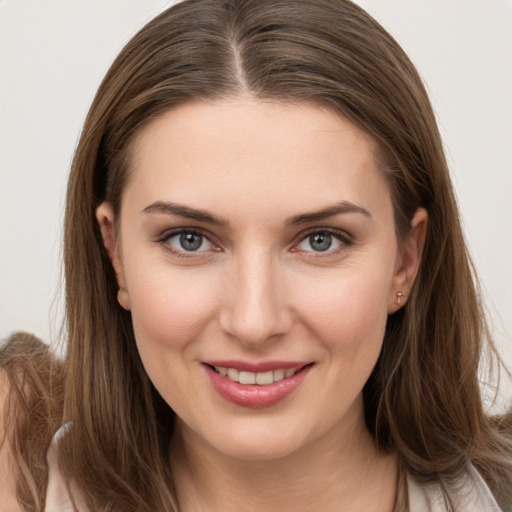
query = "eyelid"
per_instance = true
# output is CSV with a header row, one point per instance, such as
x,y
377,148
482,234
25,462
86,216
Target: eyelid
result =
x,y
341,235
164,237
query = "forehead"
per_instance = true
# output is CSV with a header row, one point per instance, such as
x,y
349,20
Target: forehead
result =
x,y
267,153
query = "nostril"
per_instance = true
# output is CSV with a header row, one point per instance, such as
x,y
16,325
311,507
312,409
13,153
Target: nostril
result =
x,y
253,327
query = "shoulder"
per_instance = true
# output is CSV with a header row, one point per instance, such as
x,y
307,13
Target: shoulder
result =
x,y
468,494
8,481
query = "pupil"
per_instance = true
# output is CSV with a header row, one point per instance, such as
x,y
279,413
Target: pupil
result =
x,y
191,241
320,241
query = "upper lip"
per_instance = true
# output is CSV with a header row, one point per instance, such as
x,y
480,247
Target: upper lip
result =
x,y
263,366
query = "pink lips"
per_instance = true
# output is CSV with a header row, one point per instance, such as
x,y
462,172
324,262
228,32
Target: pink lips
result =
x,y
253,395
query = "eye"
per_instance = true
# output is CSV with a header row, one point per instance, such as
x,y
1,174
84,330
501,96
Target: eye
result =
x,y
187,240
323,241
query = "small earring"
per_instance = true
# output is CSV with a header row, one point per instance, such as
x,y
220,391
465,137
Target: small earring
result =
x,y
399,296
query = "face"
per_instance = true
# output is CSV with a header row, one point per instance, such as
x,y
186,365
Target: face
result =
x,y
257,254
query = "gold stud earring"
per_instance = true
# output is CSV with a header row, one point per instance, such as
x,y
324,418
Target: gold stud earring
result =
x,y
399,296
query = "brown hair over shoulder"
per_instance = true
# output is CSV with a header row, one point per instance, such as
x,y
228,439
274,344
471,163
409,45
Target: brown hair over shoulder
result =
x,y
423,397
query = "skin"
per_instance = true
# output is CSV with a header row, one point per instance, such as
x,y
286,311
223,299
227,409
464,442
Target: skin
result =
x,y
258,290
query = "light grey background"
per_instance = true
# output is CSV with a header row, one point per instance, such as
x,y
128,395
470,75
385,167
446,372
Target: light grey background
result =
x,y
53,54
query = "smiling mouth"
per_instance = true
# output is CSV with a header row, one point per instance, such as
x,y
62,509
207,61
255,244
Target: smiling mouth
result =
x,y
257,378
256,385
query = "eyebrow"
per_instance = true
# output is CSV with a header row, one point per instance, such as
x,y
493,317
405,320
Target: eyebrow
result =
x,y
185,211
330,211
207,217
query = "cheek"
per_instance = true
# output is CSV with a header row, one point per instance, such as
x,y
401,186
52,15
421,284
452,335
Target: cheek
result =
x,y
170,312
349,311
169,307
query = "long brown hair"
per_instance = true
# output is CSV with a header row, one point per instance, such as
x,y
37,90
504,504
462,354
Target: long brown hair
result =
x,y
423,398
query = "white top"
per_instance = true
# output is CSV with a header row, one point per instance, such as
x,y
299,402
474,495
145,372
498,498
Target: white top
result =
x,y
57,496
471,495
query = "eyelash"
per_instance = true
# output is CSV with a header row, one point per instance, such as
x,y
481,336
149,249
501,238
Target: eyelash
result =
x,y
164,239
344,238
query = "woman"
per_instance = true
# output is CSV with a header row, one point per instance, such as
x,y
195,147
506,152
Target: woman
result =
x,y
269,300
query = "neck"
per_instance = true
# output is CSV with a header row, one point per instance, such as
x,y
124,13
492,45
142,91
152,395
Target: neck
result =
x,y
342,470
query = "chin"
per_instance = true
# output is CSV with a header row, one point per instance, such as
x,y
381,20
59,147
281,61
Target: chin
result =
x,y
264,448
257,439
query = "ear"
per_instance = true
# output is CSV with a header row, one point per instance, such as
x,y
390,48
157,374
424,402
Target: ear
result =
x,y
408,261
105,217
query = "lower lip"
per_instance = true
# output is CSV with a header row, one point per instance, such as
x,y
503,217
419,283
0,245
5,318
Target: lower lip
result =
x,y
252,395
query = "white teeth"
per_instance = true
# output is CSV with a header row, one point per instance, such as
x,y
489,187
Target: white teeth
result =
x,y
233,374
278,375
262,378
247,378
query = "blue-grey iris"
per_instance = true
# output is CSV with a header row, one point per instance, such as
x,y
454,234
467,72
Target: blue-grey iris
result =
x,y
191,241
320,241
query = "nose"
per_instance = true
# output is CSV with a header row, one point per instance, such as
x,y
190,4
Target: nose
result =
x,y
256,310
